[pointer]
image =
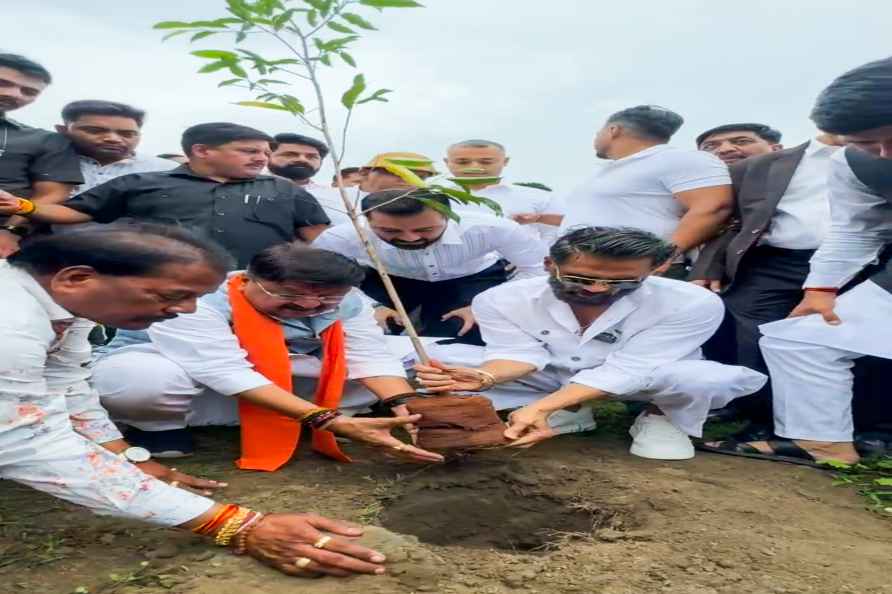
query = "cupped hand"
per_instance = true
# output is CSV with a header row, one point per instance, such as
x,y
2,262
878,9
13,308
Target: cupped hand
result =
x,y
376,432
465,315
818,302
528,426
280,540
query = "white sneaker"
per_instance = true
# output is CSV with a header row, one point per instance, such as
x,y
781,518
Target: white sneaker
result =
x,y
654,437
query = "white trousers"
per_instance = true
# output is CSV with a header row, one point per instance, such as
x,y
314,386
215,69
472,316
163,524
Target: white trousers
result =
x,y
685,390
141,388
810,363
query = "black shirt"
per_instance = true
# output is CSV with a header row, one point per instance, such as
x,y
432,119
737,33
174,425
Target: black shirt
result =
x,y
245,216
32,155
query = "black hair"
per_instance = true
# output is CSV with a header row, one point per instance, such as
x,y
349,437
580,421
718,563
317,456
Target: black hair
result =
x,y
345,172
624,243
170,155
649,121
401,202
120,250
78,109
479,143
289,138
219,133
25,66
294,262
858,100
766,133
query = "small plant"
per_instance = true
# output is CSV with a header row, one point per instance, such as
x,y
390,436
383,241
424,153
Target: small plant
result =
x,y
872,478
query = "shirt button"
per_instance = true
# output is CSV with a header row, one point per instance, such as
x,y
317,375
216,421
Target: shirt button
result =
x,y
219,213
545,333
739,252
218,230
576,358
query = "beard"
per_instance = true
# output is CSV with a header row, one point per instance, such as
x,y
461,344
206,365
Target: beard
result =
x,y
575,296
297,171
413,245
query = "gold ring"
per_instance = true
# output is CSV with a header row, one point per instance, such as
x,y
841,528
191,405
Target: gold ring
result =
x,y
320,544
302,562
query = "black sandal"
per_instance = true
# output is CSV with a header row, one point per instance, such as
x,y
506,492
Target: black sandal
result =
x,y
784,450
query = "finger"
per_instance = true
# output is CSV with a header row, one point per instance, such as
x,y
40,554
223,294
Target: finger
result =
x,y
351,549
198,483
421,368
466,327
294,571
831,318
798,312
394,422
715,286
436,383
516,429
326,561
530,439
395,318
335,527
448,316
398,448
699,282
437,376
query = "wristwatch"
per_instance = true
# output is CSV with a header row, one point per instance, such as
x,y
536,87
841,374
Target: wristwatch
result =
x,y
136,455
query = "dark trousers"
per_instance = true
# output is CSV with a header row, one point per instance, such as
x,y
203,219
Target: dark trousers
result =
x,y
438,298
767,287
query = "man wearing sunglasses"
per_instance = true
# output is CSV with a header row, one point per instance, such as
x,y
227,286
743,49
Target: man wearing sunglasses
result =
x,y
268,337
599,327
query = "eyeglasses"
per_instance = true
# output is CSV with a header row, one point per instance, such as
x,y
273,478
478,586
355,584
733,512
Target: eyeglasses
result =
x,y
610,284
323,299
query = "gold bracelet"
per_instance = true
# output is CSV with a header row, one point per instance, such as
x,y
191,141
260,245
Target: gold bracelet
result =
x,y
26,207
225,534
311,412
487,381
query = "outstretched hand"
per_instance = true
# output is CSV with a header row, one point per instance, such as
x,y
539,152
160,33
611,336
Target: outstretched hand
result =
x,y
528,426
376,432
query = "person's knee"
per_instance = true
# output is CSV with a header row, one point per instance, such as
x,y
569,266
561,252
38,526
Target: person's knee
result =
x,y
138,379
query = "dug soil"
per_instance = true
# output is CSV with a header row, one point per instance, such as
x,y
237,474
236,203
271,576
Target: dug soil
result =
x,y
575,515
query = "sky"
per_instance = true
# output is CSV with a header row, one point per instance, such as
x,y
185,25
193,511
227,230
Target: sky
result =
x,y
538,76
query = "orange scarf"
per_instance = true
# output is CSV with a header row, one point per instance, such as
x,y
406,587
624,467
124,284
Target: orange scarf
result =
x,y
270,438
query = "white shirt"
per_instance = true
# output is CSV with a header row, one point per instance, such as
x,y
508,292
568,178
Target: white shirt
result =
x,y
466,248
803,213
860,225
51,420
663,321
330,200
95,174
516,200
638,190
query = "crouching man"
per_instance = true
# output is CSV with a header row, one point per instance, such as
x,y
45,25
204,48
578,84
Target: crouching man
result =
x,y
292,313
599,327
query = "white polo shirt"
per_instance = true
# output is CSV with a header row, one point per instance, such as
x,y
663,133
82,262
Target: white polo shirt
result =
x,y
638,190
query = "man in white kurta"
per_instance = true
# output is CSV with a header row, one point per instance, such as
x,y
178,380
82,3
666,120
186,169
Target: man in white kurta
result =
x,y
642,342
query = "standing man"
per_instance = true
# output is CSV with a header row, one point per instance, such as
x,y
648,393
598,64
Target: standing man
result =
x,y
759,264
733,143
299,158
683,196
435,263
219,192
810,355
485,159
600,327
105,134
34,164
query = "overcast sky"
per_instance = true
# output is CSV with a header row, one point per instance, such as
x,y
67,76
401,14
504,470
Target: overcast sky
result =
x,y
539,76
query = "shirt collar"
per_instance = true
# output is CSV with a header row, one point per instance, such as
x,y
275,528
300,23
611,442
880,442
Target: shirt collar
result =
x,y
658,148
126,161
30,284
815,146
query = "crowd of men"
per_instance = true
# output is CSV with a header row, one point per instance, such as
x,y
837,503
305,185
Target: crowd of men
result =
x,y
736,279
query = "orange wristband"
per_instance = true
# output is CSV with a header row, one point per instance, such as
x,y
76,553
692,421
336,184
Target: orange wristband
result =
x,y
833,290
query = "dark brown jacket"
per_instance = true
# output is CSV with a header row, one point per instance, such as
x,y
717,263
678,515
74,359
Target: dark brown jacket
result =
x,y
759,183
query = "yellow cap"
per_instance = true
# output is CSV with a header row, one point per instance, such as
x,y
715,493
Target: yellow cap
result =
x,y
413,161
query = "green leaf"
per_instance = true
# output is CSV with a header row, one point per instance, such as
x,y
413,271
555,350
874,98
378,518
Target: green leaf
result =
x,y
340,28
349,98
229,81
263,104
216,55
347,58
884,482
313,18
391,3
173,25
467,198
325,59
441,208
291,103
175,33
270,81
355,19
334,45
237,70
534,185
213,67
376,96
404,173
202,35
835,464
282,20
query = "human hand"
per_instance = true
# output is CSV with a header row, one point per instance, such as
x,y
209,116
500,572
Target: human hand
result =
x,y
817,302
9,243
9,204
281,540
528,426
465,315
526,218
713,285
383,315
180,479
376,432
412,429
437,377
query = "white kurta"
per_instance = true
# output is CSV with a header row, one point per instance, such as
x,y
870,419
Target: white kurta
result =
x,y
50,419
646,346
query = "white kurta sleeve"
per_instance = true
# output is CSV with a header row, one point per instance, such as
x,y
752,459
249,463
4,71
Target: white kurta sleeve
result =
x,y
504,339
66,373
203,344
341,239
860,225
676,337
513,243
367,352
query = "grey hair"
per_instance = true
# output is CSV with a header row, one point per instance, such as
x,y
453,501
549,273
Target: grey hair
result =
x,y
624,243
478,143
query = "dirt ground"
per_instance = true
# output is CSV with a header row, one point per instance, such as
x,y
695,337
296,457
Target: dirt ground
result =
x,y
577,514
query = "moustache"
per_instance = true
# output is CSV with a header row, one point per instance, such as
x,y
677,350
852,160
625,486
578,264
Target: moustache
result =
x,y
575,296
298,171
